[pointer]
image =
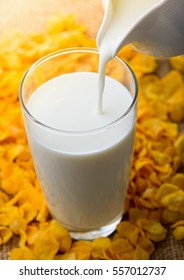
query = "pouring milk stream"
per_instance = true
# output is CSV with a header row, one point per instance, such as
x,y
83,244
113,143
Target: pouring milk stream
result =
x,y
154,27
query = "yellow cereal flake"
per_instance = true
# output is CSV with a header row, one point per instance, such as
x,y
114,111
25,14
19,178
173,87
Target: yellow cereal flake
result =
x,y
140,253
172,82
128,231
122,249
165,189
81,250
127,52
178,233
23,238
153,230
3,198
179,144
99,246
136,214
22,254
5,234
178,223
45,245
146,244
31,232
178,180
169,217
43,213
28,212
174,201
151,88
62,236
143,63
176,106
161,158
177,63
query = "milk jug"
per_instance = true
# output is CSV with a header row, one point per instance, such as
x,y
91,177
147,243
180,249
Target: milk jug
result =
x,y
154,27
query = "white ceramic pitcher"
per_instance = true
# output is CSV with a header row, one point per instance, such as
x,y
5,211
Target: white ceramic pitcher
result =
x,y
159,31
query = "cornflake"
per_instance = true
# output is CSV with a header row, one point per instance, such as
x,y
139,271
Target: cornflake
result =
x,y
155,197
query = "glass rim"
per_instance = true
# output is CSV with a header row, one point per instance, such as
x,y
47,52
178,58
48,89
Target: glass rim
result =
x,y
76,132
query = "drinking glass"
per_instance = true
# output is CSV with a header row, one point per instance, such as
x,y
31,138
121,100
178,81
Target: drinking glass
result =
x,y
84,175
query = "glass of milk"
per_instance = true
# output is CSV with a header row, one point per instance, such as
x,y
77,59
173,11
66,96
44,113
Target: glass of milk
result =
x,y
82,156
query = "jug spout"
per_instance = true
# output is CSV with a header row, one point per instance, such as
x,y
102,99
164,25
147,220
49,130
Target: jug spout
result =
x,y
154,27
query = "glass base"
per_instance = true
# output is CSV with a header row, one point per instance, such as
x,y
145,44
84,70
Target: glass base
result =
x,y
101,232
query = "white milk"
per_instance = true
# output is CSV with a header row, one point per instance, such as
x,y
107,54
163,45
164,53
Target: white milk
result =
x,y
84,172
121,16
115,28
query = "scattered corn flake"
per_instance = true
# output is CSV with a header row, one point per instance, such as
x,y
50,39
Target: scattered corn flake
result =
x,y
8,214
28,212
5,235
172,82
127,52
21,254
99,246
81,250
3,198
165,189
143,162
153,229
174,201
154,178
169,217
122,249
140,253
23,238
62,236
108,254
14,151
32,195
178,223
151,88
145,203
12,178
155,215
177,63
176,165
178,233
146,244
161,158
178,180
31,232
141,184
176,106
179,144
17,224
128,231
136,214
45,245
15,199
143,63
43,213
